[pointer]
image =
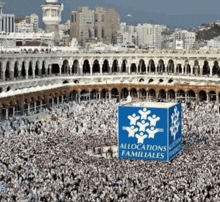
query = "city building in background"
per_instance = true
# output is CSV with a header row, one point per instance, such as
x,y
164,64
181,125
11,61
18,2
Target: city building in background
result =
x,y
213,43
127,34
64,28
98,25
28,24
170,40
82,24
18,39
64,31
150,35
22,26
34,20
7,21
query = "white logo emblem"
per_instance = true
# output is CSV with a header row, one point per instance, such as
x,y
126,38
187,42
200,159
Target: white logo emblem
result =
x,y
174,128
143,126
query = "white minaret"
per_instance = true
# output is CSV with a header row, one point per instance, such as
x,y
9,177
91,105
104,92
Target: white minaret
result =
x,y
52,16
1,5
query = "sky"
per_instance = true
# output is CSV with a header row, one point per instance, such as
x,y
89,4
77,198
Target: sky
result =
x,y
174,13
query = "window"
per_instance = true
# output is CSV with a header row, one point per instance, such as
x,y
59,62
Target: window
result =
x,y
103,17
96,33
96,17
53,12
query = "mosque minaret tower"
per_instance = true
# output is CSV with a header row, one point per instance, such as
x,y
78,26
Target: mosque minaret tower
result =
x,y
52,16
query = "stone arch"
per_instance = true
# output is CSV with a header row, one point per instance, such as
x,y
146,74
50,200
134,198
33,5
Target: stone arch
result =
x,y
43,68
171,95
8,88
65,67
143,93
84,91
75,67
16,74
170,66
133,68
86,67
196,68
115,93
94,94
191,95
30,68
96,67
215,70
32,101
65,82
115,67
206,68
161,66
36,50
170,81
17,107
180,95
151,66
23,70
37,71
76,81
179,68
7,70
44,102
38,104
161,80
142,66
66,97
104,93
105,66
55,99
55,69
212,96
124,68
150,81
133,93
10,109
162,95
202,95
124,93
1,70
188,69
152,94
74,94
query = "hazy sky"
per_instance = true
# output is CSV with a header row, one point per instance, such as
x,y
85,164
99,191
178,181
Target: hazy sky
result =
x,y
179,13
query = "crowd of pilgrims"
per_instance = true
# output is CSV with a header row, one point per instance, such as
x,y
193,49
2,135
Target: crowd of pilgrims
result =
x,y
47,160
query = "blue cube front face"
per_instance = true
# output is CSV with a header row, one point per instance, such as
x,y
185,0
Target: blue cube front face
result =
x,y
175,133
143,133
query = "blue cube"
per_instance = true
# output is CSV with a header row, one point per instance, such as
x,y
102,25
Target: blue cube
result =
x,y
149,131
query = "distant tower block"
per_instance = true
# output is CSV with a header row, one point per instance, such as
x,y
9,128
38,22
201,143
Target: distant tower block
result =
x,y
52,16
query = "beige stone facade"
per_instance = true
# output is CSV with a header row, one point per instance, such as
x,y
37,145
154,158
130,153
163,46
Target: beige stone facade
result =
x,y
100,24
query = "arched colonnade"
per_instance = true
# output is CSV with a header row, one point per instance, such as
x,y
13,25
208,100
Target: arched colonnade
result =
x,y
36,68
34,103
